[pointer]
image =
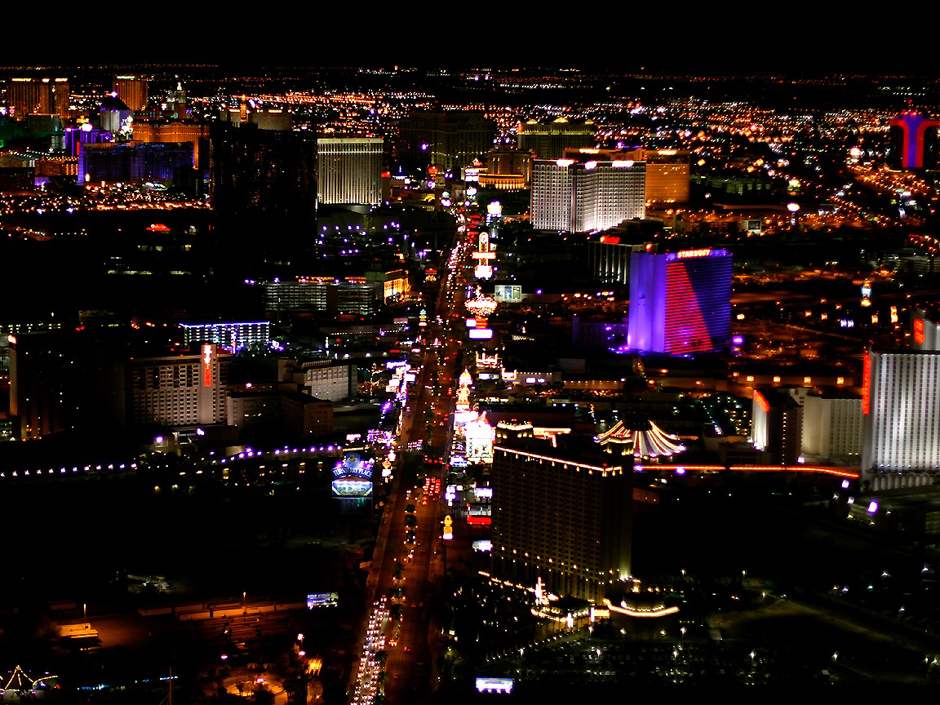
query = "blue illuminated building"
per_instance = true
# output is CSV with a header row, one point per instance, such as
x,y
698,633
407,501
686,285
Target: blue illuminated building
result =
x,y
168,163
680,302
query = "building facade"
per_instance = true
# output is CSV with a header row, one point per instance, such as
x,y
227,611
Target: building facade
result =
x,y
777,425
667,175
295,413
610,259
586,195
44,96
230,335
129,162
175,131
561,514
327,381
321,294
680,302
832,426
133,90
901,411
549,140
349,170
179,390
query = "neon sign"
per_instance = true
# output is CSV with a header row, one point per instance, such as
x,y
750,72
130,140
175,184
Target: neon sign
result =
x,y
208,357
919,333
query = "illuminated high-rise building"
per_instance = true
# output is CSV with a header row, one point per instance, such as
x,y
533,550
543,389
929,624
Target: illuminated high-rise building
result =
x,y
667,175
179,390
45,96
562,512
680,302
901,411
133,90
308,294
349,170
585,195
507,170
549,140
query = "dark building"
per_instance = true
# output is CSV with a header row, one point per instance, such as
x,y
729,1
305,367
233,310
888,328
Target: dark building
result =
x,y
610,259
293,413
560,513
62,382
16,178
777,425
264,190
447,139
549,140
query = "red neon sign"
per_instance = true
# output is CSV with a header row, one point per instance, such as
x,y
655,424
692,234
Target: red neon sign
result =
x,y
866,384
762,400
208,355
919,335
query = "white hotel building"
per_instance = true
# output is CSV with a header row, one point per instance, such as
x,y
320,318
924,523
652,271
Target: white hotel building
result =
x,y
583,196
349,170
901,412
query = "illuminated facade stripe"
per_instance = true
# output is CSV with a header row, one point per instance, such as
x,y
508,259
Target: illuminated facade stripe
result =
x,y
834,471
686,331
566,463
680,303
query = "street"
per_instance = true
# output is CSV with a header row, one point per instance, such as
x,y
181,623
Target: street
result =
x,y
407,564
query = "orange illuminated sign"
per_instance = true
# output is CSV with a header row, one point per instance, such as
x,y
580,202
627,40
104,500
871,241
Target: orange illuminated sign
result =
x,y
208,356
762,400
919,335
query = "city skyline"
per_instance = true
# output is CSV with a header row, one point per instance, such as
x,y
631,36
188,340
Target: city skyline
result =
x,y
561,360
